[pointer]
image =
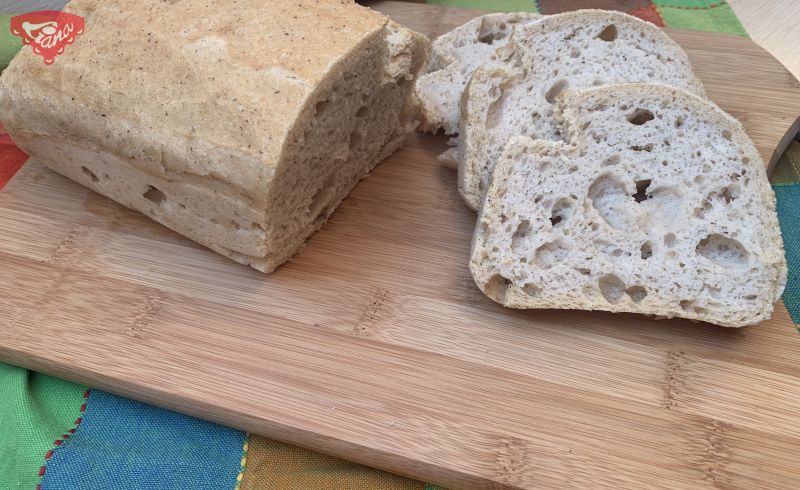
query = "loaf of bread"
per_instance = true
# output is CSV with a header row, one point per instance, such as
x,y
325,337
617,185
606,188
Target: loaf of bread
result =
x,y
240,124
560,52
454,56
656,202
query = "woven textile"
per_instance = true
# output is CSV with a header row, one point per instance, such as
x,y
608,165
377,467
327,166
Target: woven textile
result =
x,y
119,443
37,411
124,444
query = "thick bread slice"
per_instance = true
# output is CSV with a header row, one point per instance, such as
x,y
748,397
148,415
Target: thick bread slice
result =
x,y
560,52
454,56
657,203
243,133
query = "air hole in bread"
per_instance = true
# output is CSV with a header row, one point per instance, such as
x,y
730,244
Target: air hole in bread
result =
x,y
608,197
730,193
575,52
523,228
560,212
646,250
155,195
363,112
608,34
640,117
714,291
670,240
90,174
321,197
322,216
725,195
256,226
641,190
583,271
487,34
636,293
648,147
612,160
723,251
727,134
497,287
679,121
495,111
554,90
689,306
355,140
321,106
531,290
551,253
751,297
611,287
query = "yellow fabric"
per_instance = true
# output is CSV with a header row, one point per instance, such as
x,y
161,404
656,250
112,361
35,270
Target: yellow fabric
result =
x,y
275,465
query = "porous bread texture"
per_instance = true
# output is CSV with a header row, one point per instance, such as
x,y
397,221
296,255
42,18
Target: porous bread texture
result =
x,y
657,202
561,52
454,56
243,135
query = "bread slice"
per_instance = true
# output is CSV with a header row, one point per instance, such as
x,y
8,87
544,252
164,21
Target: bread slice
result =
x,y
243,133
567,51
656,203
454,56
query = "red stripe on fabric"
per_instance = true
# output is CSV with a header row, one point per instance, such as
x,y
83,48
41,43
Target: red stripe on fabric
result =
x,y
11,158
59,442
650,14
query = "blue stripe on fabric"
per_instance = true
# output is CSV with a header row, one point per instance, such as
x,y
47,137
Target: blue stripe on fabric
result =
x,y
788,196
124,444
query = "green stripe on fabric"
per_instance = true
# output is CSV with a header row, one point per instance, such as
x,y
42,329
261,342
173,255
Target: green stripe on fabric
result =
x,y
9,43
36,410
788,198
709,16
494,5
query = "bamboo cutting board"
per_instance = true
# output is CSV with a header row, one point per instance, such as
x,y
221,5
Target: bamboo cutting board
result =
x,y
375,345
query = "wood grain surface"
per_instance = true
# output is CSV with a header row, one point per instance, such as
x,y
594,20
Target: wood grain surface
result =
x,y
375,345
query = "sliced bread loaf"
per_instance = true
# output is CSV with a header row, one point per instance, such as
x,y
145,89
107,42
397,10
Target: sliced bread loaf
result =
x,y
241,132
567,51
454,56
657,202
